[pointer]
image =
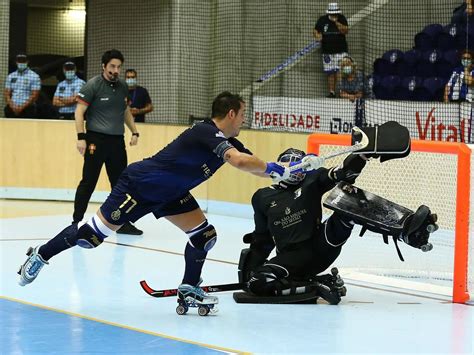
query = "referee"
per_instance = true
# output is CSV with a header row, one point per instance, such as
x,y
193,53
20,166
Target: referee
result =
x,y
103,100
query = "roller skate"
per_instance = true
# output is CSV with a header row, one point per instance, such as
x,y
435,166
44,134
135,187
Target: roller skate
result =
x,y
418,227
330,286
194,296
32,266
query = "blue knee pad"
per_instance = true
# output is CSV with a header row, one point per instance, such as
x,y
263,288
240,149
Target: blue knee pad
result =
x,y
204,238
88,237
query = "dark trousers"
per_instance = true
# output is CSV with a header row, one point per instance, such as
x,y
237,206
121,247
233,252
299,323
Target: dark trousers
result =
x,y
29,112
101,148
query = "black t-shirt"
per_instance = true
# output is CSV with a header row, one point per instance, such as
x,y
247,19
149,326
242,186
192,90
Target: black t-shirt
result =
x,y
291,214
333,41
139,98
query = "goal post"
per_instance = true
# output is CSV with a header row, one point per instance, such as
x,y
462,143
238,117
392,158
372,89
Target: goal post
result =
x,y
446,188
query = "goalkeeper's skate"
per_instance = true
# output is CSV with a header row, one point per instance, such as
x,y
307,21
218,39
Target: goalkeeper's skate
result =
x,y
31,267
330,287
194,296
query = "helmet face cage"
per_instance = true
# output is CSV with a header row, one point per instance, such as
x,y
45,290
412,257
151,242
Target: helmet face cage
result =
x,y
289,156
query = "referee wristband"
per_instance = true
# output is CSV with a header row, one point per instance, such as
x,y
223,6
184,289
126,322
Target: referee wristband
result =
x,y
81,136
136,134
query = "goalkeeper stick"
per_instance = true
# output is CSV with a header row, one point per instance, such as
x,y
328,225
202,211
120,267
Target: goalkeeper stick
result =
x,y
364,142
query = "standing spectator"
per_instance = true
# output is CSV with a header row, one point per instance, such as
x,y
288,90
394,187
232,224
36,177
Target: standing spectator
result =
x,y
140,102
460,85
66,92
350,84
21,90
331,30
104,97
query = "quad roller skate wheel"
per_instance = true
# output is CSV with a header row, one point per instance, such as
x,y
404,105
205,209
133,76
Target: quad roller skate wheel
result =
x,y
426,247
430,228
203,311
181,310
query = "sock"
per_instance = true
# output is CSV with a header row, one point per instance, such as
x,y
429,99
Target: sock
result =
x,y
194,260
59,243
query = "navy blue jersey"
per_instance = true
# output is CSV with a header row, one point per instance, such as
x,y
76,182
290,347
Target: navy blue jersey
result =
x,y
193,157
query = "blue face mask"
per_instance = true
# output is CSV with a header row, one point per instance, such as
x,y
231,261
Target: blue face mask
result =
x,y
131,82
466,62
69,74
21,66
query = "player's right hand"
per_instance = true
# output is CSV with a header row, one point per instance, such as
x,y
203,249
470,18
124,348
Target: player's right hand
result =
x,y
81,146
277,171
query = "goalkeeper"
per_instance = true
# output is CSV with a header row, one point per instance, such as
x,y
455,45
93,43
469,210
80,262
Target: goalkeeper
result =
x,y
288,216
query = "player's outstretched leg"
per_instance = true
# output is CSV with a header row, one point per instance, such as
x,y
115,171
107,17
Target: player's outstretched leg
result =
x,y
31,267
417,228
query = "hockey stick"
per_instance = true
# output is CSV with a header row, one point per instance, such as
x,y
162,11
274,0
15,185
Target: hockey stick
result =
x,y
174,291
364,142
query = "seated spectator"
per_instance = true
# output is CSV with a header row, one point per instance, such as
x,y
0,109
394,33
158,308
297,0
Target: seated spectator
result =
x,y
22,88
140,102
351,81
65,96
460,85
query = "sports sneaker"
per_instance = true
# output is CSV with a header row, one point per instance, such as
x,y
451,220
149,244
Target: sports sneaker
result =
x,y
32,266
195,295
129,228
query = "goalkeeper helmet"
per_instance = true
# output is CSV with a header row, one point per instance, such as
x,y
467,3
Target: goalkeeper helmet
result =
x,y
292,155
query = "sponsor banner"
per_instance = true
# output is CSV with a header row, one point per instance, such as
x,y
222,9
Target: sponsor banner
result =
x,y
434,121
425,120
302,115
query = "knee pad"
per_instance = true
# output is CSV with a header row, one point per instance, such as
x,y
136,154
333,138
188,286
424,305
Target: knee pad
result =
x,y
88,238
204,237
92,234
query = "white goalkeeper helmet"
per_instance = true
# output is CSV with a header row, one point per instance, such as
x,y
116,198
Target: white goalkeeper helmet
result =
x,y
289,156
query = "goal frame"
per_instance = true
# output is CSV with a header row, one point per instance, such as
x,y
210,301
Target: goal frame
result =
x,y
460,292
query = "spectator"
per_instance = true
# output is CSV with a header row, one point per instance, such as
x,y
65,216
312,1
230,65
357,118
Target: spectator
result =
x,y
140,102
331,30
104,97
350,84
21,90
460,85
65,95
463,13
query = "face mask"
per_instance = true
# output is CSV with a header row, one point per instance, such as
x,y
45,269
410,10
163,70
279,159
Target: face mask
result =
x,y
131,81
347,70
69,75
466,62
21,66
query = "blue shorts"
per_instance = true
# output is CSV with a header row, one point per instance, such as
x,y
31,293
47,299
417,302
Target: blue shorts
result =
x,y
126,205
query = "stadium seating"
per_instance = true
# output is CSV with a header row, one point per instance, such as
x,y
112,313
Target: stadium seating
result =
x,y
435,87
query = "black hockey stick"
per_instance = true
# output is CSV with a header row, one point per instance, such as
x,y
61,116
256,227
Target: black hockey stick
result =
x,y
174,291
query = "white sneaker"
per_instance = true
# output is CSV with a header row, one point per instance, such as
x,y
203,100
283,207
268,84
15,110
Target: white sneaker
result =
x,y
32,266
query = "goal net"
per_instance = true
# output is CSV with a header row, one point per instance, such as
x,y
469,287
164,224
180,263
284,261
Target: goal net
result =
x,y
436,174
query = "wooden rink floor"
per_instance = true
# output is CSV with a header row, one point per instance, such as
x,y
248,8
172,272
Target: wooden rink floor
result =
x,y
90,301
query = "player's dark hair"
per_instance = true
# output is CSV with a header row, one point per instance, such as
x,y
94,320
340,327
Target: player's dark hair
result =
x,y
131,71
112,54
224,102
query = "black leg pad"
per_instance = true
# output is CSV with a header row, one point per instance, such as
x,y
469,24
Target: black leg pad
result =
x,y
301,298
